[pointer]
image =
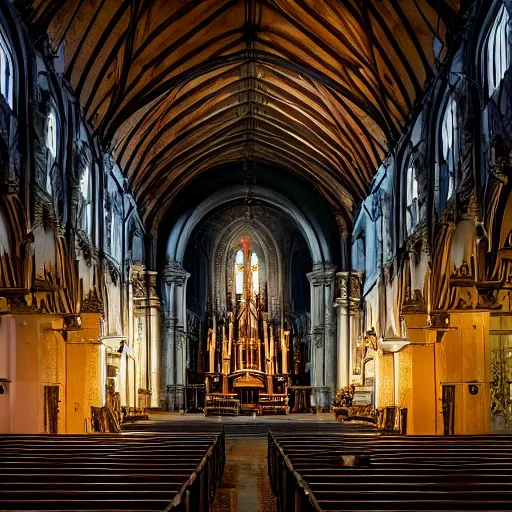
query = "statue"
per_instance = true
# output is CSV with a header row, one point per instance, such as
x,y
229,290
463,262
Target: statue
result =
x,y
345,396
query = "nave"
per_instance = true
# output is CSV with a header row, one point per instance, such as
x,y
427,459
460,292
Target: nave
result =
x,y
291,216
254,207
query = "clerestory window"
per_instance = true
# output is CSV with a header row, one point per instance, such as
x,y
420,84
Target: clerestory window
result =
x,y
498,50
85,212
411,200
51,147
449,151
6,76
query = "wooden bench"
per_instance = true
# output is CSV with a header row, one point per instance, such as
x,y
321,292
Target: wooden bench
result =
x,y
273,403
307,472
134,471
222,404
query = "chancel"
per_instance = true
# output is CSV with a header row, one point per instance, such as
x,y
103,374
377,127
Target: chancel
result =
x,y
259,214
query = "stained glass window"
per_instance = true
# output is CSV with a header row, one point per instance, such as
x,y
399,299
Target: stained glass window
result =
x,y
239,272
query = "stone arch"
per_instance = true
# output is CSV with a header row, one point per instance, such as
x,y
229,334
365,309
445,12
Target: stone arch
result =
x,y
305,221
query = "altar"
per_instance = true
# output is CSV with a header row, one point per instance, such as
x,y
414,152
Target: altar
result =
x,y
248,355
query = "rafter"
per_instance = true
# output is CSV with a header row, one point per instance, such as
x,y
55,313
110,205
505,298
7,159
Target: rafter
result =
x,y
180,89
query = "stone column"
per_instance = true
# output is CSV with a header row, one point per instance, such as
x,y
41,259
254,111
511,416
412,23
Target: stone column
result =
x,y
323,351
147,320
348,304
175,336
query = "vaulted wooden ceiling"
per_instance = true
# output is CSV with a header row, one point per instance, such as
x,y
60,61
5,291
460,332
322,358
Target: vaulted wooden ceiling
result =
x,y
180,87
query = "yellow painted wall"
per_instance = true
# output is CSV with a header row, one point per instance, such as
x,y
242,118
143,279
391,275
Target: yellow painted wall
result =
x,y
462,357
83,383
422,419
36,359
416,387
385,375
25,385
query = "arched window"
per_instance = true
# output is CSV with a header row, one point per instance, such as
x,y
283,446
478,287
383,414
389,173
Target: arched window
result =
x,y
449,151
412,211
51,146
255,271
497,48
239,272
85,211
6,75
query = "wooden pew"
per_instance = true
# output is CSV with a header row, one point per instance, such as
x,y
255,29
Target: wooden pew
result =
x,y
401,472
171,471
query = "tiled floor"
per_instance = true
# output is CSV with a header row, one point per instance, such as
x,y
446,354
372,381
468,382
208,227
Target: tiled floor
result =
x,y
245,485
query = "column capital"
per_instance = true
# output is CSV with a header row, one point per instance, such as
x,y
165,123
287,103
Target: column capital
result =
x,y
144,283
174,273
322,276
349,286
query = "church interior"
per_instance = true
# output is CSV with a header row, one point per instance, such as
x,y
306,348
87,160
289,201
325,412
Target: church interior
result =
x,y
277,211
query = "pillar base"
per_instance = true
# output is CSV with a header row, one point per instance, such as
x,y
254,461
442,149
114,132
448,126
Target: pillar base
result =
x,y
322,398
175,398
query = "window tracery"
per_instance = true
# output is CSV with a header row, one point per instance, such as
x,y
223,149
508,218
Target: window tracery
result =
x,y
497,59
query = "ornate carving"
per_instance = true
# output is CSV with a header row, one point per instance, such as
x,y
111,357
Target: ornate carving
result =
x,y
418,241
86,247
318,336
501,169
20,306
488,299
413,302
344,280
463,271
92,303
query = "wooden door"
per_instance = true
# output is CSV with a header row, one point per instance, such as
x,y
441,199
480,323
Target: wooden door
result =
x,y
51,409
448,402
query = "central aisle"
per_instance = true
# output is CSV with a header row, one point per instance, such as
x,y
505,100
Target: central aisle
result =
x,y
245,485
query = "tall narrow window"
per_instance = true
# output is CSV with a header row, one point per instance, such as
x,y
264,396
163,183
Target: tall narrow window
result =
x,y
449,143
239,273
51,147
498,50
6,82
116,239
85,212
255,271
411,200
